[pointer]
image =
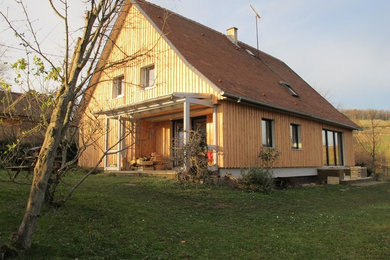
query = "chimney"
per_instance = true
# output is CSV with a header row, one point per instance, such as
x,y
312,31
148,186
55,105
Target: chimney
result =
x,y
232,34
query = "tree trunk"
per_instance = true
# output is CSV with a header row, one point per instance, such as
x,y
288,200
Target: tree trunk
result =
x,y
42,171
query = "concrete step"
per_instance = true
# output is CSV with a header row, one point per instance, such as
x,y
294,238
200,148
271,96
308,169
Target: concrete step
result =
x,y
169,174
361,180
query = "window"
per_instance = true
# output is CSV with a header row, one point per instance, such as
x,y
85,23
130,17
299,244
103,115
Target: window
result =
x,y
289,88
148,76
117,86
295,135
267,132
332,147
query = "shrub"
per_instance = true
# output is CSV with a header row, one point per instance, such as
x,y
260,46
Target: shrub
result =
x,y
257,179
195,154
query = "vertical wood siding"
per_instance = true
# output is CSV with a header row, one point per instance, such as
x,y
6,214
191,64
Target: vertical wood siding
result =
x,y
240,138
139,39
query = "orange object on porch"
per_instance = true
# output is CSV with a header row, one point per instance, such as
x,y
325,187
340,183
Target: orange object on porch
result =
x,y
210,157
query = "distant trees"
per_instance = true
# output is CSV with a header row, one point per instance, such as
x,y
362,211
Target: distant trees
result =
x,y
366,114
370,142
370,148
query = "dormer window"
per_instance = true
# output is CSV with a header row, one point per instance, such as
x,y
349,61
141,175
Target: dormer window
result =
x,y
118,86
289,88
148,76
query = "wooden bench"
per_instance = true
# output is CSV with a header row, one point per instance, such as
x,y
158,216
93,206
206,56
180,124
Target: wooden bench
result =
x,y
27,163
19,168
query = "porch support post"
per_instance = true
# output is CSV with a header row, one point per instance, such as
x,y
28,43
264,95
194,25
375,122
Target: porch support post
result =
x,y
215,135
186,128
119,145
186,116
106,143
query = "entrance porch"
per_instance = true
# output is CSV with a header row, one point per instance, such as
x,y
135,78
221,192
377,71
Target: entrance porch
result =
x,y
141,136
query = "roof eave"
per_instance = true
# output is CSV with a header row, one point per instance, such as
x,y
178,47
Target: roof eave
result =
x,y
282,109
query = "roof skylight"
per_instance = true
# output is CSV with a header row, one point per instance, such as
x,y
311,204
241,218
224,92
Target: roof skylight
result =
x,y
289,88
250,52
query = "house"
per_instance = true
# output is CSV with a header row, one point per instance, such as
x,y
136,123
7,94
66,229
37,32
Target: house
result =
x,y
188,76
21,113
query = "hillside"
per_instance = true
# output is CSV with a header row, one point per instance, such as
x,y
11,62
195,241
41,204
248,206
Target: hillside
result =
x,y
366,119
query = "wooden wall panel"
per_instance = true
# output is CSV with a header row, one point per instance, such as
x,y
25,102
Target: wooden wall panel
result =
x,y
145,139
209,129
241,141
163,138
91,133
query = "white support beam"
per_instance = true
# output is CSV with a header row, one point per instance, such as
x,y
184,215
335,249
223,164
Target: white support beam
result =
x,y
186,121
119,145
106,144
203,102
186,127
215,135
190,95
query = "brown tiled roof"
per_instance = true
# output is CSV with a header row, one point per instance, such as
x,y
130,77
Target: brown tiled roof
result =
x,y
239,74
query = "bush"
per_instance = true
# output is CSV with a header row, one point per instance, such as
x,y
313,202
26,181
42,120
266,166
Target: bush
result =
x,y
257,179
195,153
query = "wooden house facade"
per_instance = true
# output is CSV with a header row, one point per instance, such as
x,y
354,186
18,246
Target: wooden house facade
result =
x,y
176,75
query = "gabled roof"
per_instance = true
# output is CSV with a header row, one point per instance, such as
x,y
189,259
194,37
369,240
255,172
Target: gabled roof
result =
x,y
236,72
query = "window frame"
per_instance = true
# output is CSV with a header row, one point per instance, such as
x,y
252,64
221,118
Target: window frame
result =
x,y
145,76
115,88
267,126
337,149
295,136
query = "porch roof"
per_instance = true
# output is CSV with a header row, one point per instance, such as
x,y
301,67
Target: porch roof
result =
x,y
160,104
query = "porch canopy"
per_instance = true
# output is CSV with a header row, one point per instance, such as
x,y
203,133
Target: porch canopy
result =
x,y
167,107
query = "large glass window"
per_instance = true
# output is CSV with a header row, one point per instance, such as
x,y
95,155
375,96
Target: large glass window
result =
x,y
332,147
267,132
295,135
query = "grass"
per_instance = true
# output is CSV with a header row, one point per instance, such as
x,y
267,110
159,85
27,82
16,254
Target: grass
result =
x,y
137,218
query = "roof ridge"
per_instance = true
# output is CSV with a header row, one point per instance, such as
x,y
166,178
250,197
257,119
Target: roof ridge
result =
x,y
186,18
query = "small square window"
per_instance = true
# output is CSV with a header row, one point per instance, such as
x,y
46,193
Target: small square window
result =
x,y
118,87
267,130
148,76
295,135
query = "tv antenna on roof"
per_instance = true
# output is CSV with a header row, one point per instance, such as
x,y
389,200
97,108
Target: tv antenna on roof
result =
x,y
257,17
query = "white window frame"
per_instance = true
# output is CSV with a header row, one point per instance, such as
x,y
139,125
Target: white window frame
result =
x,y
146,81
121,86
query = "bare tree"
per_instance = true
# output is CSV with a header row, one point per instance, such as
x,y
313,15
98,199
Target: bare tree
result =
x,y
370,141
75,73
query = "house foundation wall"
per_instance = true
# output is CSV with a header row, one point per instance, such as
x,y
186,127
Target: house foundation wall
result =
x,y
277,172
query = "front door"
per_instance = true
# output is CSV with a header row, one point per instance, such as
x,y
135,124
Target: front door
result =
x,y
197,124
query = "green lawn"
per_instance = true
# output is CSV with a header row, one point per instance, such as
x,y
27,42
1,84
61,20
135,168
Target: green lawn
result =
x,y
147,218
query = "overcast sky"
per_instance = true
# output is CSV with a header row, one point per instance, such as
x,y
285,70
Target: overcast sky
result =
x,y
340,47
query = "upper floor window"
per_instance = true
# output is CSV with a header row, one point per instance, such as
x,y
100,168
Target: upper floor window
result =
x,y
148,75
267,132
118,86
295,135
